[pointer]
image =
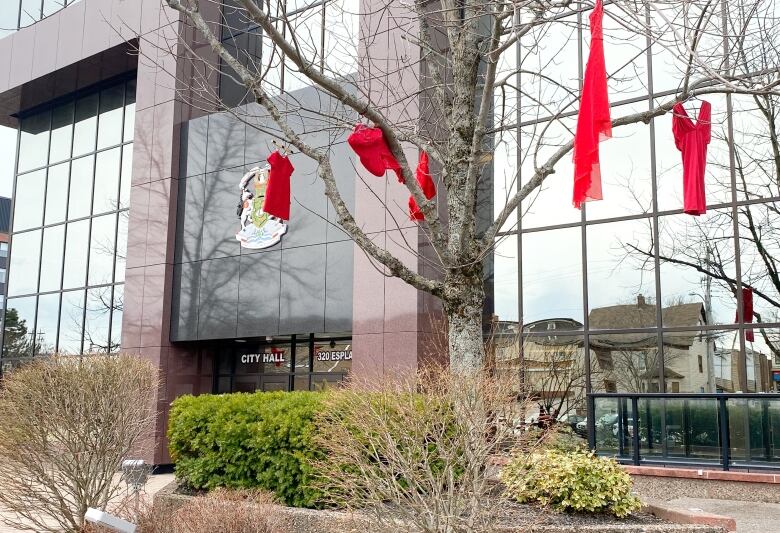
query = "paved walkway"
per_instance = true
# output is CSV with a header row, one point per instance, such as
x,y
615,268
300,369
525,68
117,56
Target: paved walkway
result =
x,y
751,517
154,484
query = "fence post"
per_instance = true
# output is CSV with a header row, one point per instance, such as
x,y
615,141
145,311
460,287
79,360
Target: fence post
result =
x,y
635,425
724,432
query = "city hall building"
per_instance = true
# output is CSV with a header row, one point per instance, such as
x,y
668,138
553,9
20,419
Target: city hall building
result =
x,y
132,197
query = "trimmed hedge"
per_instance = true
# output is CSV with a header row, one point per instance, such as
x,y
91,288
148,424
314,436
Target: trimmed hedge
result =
x,y
241,440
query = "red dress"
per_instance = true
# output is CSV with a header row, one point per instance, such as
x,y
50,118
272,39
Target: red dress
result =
x,y
692,140
277,192
593,121
370,146
425,181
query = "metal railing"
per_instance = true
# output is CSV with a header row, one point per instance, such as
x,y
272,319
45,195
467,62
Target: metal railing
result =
x,y
704,430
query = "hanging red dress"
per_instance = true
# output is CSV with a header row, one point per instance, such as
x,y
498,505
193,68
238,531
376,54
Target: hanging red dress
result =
x,y
370,146
747,305
692,140
593,121
425,181
277,191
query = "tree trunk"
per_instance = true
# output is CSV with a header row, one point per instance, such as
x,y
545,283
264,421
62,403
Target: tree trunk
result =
x,y
464,306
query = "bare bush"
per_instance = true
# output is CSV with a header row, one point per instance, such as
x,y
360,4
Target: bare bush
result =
x,y
414,452
66,425
229,511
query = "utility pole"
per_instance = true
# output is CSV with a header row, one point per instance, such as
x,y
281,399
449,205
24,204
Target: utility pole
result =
x,y
708,319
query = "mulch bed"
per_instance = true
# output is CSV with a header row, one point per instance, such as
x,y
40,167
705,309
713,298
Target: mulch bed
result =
x,y
517,514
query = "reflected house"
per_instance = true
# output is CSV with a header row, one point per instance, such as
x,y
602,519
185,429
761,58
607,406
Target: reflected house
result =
x,y
631,362
550,365
729,376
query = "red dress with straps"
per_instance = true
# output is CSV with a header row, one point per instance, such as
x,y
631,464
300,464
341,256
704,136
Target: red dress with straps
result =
x,y
692,140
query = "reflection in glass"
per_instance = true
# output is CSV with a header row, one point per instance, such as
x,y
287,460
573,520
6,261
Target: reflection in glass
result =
x,y
9,17
85,126
52,6
621,279
127,173
101,249
689,245
31,12
106,181
98,315
80,196
759,244
34,142
505,278
24,263
116,318
46,327
51,258
61,132
129,111
332,357
71,321
110,120
57,193
121,246
552,275
76,250
18,327
28,204
625,362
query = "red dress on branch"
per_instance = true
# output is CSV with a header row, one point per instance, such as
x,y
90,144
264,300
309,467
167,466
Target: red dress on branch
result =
x,y
370,146
277,192
593,120
425,181
692,140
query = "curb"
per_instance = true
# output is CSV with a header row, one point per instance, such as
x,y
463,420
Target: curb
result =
x,y
689,516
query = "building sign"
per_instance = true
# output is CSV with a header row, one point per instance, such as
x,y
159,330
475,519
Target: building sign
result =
x,y
258,229
334,355
776,375
274,356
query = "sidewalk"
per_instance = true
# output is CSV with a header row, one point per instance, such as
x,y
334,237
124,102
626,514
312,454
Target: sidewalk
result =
x,y
751,517
154,484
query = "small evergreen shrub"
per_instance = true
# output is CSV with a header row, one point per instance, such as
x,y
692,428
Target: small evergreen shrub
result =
x,y
571,481
261,440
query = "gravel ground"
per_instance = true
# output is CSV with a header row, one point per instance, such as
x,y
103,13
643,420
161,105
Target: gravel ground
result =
x,y
532,515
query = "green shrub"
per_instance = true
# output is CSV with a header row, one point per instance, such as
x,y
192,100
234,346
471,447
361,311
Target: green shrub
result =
x,y
573,481
260,440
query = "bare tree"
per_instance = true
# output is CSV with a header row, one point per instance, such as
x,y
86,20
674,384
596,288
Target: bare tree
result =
x,y
67,424
458,68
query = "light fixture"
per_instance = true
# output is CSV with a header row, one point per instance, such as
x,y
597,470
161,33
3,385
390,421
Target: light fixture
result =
x,y
239,340
269,339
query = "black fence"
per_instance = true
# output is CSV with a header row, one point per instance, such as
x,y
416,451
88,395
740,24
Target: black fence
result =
x,y
705,430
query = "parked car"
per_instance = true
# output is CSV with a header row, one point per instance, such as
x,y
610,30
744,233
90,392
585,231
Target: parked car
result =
x,y
581,428
629,427
571,420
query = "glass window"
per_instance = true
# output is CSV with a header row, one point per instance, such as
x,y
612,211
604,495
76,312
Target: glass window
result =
x,y
51,258
333,356
621,280
71,321
85,125
505,278
110,120
18,327
127,174
121,245
116,317
101,250
24,263
28,204
80,196
552,276
61,132
129,111
52,6
759,241
57,193
76,250
3,249
98,315
31,12
106,181
34,143
9,17
46,328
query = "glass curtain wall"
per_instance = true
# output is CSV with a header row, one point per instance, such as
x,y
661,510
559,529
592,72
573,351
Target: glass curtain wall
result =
x,y
18,14
630,294
69,229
